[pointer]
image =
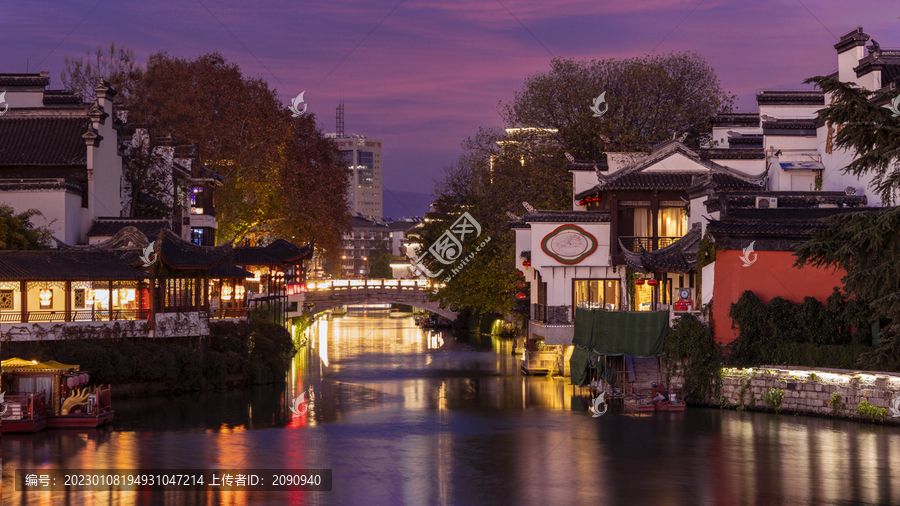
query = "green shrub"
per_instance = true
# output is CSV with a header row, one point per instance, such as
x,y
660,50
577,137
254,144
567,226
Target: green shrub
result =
x,y
837,404
690,345
866,410
773,398
808,334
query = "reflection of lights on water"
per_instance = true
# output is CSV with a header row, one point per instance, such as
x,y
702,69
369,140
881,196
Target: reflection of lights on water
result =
x,y
435,340
323,343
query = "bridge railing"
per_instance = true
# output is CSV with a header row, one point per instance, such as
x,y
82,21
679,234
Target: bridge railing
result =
x,y
345,287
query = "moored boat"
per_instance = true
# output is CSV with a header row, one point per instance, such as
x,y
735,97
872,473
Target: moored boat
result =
x,y
47,395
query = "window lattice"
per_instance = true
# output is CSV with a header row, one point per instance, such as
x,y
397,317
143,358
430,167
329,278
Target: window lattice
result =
x,y
79,298
6,299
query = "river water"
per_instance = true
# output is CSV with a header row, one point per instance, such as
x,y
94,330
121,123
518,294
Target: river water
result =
x,y
402,415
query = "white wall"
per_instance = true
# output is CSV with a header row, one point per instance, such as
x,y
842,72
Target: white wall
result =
x,y
105,190
559,276
34,98
60,210
720,134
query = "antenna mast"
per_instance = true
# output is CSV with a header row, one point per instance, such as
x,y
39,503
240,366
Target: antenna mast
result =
x,y
339,119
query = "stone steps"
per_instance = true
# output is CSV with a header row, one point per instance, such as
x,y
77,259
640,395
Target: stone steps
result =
x,y
646,372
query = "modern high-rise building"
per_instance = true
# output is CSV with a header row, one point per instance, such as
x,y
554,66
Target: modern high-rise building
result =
x,y
363,156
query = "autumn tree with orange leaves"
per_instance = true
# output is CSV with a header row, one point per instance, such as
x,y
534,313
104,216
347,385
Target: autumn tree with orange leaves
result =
x,y
283,178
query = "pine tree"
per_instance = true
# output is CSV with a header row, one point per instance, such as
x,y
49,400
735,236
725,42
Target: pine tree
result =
x,y
867,128
866,245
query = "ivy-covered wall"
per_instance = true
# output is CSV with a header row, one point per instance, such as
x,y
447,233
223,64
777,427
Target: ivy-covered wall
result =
x,y
771,275
841,394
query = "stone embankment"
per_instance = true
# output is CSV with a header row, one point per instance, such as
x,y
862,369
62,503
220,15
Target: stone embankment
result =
x,y
859,395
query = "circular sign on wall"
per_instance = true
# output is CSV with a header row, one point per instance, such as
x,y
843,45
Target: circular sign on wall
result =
x,y
569,244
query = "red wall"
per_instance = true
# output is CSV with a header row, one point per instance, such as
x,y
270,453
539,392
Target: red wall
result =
x,y
772,274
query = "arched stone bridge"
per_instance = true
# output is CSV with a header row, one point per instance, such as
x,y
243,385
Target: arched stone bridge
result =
x,y
329,294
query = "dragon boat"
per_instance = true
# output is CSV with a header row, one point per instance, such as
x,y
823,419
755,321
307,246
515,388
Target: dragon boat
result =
x,y
50,395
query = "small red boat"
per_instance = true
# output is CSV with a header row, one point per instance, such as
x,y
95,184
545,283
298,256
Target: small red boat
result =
x,y
47,395
642,402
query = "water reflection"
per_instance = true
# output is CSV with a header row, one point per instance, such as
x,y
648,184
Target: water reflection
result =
x,y
405,415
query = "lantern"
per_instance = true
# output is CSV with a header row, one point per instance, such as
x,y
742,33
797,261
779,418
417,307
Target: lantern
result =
x,y
521,296
639,281
226,292
520,284
520,273
652,282
302,288
46,297
527,263
239,292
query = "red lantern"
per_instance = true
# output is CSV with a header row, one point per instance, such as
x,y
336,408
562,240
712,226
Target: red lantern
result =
x,y
527,263
302,287
520,284
639,281
652,282
521,296
520,273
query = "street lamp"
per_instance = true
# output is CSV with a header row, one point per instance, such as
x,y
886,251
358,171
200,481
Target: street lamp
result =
x,y
367,265
343,269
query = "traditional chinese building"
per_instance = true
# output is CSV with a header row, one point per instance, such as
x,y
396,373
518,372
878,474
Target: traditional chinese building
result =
x,y
642,225
129,286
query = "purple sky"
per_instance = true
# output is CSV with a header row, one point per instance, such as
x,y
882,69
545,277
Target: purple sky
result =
x,y
431,73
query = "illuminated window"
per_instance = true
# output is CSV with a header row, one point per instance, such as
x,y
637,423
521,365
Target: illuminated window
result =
x,y
78,303
597,294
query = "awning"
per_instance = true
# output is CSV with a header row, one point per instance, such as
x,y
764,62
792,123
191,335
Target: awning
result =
x,y
636,333
17,364
802,166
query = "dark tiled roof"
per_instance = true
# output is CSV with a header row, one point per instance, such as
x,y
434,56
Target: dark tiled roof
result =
x,y
62,97
747,200
229,270
41,79
732,154
402,225
636,176
588,165
674,181
206,174
680,256
885,60
766,227
54,265
33,185
749,140
287,252
526,253
735,119
851,39
790,124
177,253
104,227
774,97
43,140
128,244
253,256
562,216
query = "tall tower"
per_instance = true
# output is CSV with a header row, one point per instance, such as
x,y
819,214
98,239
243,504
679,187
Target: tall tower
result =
x,y
363,157
339,120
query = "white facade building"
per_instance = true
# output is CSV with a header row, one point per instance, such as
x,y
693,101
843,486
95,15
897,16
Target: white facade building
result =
x,y
363,155
59,155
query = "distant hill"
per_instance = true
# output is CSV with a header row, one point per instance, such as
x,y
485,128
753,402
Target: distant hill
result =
x,y
398,204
